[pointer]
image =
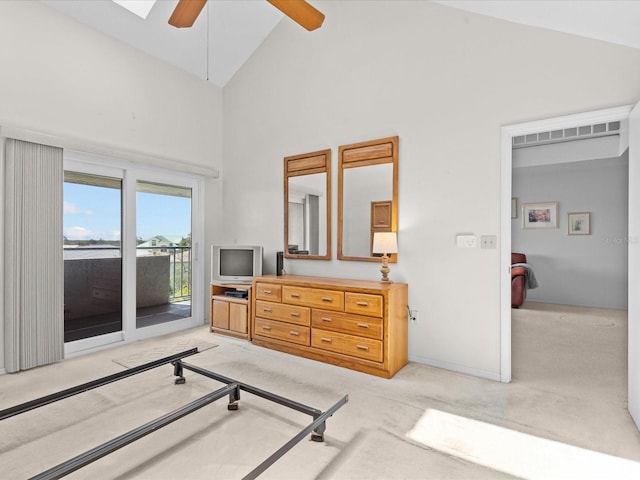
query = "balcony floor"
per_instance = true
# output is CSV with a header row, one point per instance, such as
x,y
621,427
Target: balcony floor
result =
x,y
95,325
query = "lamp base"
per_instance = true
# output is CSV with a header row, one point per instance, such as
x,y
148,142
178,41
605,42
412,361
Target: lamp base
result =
x,y
385,269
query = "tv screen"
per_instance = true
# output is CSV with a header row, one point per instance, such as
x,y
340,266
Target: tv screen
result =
x,y
235,263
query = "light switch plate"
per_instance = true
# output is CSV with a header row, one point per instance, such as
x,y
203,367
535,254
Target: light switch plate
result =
x,y
466,241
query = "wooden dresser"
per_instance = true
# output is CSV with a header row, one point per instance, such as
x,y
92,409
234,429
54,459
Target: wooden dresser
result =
x,y
356,324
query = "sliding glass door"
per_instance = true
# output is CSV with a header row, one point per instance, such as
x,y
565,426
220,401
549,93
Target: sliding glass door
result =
x,y
131,259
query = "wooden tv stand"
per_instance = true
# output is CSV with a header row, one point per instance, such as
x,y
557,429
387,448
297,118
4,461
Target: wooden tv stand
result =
x,y
230,315
361,325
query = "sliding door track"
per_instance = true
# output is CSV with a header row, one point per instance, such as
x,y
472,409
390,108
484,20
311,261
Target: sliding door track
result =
x,y
231,389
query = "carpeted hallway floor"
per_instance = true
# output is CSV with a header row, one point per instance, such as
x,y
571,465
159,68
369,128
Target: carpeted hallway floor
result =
x,y
563,416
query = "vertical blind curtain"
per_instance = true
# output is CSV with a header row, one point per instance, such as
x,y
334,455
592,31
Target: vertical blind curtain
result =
x,y
33,243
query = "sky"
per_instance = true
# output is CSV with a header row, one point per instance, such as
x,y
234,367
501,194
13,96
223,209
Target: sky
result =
x,y
92,212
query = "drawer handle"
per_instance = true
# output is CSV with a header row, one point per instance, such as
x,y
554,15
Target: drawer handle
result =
x,y
295,334
264,327
326,340
326,319
294,314
363,325
267,292
362,304
327,299
295,295
267,310
362,347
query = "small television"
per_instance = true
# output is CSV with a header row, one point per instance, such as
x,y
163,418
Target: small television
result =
x,y
235,263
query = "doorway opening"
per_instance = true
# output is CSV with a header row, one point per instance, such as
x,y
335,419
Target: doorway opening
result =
x,y
569,330
619,114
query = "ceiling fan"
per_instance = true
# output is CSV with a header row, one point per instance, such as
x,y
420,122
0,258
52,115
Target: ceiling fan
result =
x,y
301,12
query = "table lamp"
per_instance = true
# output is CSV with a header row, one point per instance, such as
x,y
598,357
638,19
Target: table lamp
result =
x,y
385,243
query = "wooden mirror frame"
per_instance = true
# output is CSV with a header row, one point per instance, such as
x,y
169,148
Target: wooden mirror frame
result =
x,y
364,154
307,164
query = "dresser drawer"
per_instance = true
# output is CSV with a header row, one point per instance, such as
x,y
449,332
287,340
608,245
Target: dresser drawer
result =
x,y
347,344
313,297
284,312
269,291
364,304
362,326
282,331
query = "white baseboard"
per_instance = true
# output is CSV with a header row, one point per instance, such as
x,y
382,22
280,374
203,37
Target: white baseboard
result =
x,y
3,371
456,368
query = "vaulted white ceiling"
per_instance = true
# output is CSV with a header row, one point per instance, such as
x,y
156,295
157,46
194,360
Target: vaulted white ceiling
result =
x,y
615,21
229,31
233,29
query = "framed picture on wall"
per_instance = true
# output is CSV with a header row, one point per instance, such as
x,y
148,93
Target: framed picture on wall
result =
x,y
540,215
514,208
579,223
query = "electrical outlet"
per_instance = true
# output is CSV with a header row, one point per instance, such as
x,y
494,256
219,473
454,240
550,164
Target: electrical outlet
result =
x,y
488,241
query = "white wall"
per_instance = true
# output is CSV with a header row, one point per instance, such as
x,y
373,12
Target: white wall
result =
x,y
60,78
588,270
445,81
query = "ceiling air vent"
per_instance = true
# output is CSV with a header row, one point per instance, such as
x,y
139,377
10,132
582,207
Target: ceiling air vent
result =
x,y
557,134
567,134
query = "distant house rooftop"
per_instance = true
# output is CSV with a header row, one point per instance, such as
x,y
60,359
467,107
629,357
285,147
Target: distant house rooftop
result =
x,y
162,241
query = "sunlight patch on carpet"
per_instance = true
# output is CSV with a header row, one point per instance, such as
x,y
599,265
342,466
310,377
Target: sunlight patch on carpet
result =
x,y
161,351
516,453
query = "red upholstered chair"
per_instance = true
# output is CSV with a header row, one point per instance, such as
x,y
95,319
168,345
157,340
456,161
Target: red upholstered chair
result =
x,y
518,280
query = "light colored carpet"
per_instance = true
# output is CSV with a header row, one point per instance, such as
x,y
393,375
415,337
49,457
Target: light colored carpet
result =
x,y
551,340
569,387
380,454
161,351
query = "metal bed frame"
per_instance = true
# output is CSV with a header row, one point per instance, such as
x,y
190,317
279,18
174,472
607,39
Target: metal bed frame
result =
x,y
232,388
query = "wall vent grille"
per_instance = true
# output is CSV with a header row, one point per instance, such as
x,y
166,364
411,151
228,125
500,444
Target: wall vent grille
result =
x,y
567,134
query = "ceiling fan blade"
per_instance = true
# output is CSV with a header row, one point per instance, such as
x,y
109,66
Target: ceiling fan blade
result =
x,y
186,13
300,12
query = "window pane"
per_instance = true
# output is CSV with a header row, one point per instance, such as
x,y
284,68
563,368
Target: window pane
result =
x,y
163,263
92,256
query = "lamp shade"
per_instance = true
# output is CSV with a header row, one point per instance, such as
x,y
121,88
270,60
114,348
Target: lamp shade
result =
x,y
385,242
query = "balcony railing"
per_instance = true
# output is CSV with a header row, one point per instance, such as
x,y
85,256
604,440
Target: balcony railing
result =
x,y
179,264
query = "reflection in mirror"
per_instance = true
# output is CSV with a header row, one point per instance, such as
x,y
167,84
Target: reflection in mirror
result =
x,y
367,196
307,215
308,206
362,186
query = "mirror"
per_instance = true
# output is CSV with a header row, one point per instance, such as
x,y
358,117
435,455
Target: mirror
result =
x,y
307,206
367,197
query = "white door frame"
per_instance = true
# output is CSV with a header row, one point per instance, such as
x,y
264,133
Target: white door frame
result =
x,y
508,132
